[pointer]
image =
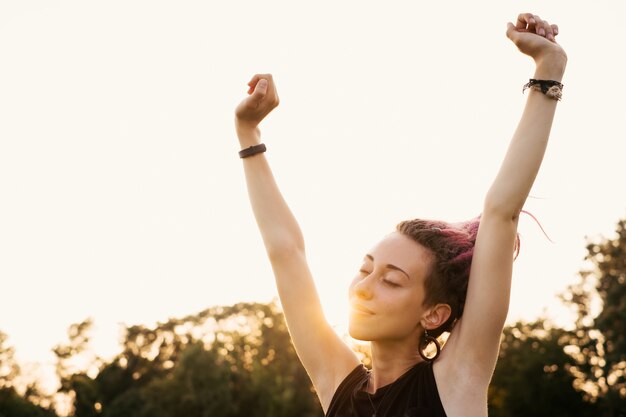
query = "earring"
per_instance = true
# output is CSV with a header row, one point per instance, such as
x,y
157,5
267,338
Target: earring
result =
x,y
424,344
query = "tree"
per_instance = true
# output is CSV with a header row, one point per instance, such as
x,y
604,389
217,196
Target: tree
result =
x,y
12,403
532,377
9,369
600,339
74,360
224,361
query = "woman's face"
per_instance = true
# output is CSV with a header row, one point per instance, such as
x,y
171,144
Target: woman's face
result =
x,y
387,293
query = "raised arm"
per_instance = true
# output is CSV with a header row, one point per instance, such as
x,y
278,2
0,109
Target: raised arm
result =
x,y
523,158
325,356
487,300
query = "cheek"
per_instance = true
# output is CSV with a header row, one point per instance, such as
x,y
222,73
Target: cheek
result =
x,y
406,313
403,302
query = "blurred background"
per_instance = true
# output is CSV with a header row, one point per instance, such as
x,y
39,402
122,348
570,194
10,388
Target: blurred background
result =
x,y
133,278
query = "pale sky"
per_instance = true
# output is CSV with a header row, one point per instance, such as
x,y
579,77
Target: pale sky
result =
x,y
122,197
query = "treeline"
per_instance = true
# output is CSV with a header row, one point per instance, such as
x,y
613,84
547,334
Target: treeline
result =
x,y
224,361
239,361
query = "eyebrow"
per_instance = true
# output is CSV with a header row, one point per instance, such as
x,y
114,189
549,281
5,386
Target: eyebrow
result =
x,y
389,266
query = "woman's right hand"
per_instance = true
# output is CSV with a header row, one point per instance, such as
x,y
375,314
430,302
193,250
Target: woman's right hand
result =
x,y
263,98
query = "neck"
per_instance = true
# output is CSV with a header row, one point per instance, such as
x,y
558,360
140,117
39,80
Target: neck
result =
x,y
390,360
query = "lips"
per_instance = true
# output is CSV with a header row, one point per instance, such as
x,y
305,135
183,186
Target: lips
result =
x,y
359,308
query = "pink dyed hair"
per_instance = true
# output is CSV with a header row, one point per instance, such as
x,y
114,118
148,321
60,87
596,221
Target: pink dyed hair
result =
x,y
452,245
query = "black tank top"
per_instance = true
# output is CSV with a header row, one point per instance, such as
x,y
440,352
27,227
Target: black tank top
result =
x,y
414,394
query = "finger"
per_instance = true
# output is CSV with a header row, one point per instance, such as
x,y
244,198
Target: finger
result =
x,y
260,90
257,77
254,79
538,27
524,20
511,31
548,29
252,83
555,29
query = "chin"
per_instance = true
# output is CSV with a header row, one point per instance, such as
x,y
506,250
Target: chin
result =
x,y
359,331
359,336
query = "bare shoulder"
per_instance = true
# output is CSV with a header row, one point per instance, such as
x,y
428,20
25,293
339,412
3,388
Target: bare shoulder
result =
x,y
328,386
461,385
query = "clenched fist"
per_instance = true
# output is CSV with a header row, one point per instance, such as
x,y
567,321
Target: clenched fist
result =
x,y
535,37
262,99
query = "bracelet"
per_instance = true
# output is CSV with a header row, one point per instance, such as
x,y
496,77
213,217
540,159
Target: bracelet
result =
x,y
252,150
550,88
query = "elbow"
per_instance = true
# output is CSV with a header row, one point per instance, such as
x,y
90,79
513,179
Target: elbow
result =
x,y
504,208
284,249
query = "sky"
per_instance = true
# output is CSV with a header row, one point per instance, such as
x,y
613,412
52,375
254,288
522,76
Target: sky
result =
x,y
122,197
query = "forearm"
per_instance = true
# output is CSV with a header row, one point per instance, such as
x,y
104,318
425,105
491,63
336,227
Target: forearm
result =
x,y
527,148
278,226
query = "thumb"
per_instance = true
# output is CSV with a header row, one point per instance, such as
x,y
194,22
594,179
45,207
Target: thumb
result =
x,y
511,31
261,88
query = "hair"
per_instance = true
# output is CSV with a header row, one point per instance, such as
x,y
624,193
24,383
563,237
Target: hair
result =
x,y
452,245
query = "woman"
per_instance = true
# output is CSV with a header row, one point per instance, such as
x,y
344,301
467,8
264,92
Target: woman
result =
x,y
425,278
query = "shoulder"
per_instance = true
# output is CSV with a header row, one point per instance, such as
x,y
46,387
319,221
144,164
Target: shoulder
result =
x,y
461,384
346,389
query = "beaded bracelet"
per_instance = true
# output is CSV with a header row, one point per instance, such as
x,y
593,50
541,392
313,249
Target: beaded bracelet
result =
x,y
550,88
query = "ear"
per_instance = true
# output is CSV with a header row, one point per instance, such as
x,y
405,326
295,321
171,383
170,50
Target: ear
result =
x,y
436,316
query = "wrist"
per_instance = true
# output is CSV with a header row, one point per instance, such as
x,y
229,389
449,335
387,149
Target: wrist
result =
x,y
248,135
551,66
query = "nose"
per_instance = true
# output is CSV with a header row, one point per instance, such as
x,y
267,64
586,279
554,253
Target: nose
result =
x,y
364,294
363,290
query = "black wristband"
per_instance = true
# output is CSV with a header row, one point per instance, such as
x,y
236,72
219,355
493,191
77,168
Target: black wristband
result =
x,y
252,150
550,88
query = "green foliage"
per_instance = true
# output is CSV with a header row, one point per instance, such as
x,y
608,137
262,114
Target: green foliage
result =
x,y
224,361
9,369
532,377
196,387
601,340
14,405
78,345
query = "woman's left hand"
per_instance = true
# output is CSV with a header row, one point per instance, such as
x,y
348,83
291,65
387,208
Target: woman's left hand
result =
x,y
535,37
